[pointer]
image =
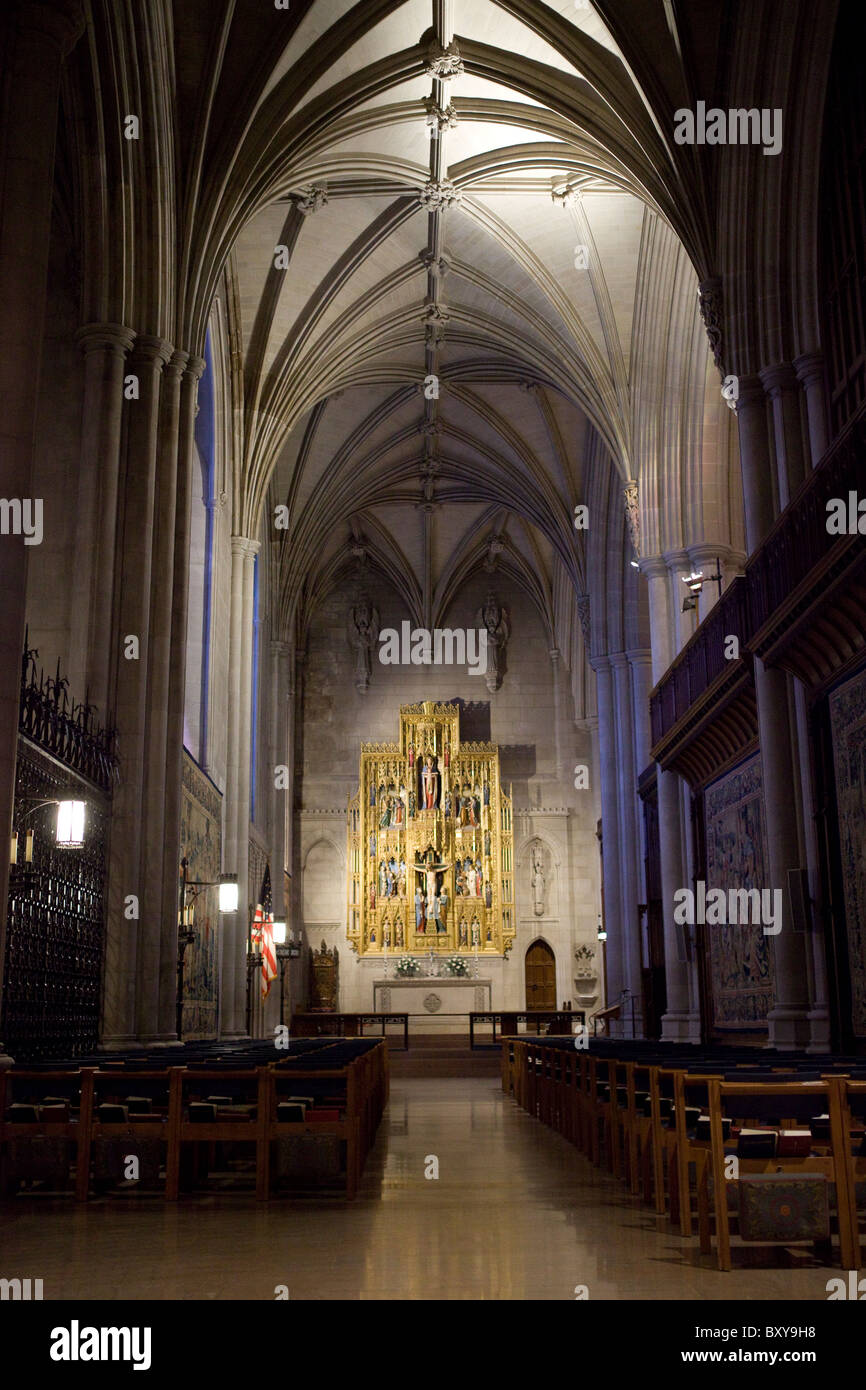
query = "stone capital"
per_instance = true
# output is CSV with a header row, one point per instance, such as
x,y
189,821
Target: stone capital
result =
x,y
810,368
280,648
105,337
195,367
653,566
242,545
778,378
751,391
706,553
177,364
676,560
151,350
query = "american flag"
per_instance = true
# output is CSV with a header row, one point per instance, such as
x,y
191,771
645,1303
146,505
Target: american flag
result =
x,y
263,933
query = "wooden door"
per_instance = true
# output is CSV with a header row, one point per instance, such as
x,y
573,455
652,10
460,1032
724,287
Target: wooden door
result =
x,y
540,977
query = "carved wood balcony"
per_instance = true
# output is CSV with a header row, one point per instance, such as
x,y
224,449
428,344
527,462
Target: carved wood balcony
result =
x,y
702,712
807,588
801,605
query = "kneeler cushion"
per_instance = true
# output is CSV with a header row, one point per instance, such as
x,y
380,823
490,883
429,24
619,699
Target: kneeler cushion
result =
x,y
784,1206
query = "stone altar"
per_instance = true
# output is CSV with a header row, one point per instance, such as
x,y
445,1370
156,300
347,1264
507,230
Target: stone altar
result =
x,y
432,1000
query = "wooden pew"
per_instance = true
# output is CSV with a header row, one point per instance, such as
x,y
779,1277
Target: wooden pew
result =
x,y
788,1098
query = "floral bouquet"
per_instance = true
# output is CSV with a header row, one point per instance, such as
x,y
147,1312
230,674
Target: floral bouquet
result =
x,y
456,965
407,966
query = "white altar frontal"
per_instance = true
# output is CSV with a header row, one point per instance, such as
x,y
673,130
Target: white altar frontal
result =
x,y
435,1004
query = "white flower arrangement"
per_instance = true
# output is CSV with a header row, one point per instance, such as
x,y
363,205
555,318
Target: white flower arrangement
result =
x,y
456,965
407,966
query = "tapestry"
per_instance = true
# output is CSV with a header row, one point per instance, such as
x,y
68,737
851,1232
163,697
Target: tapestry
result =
x,y
848,724
741,973
200,831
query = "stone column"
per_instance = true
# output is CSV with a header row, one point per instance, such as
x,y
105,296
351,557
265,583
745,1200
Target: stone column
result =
x,y
629,839
556,678
788,1023
279,757
126,935
683,624
161,918
755,461
679,1023
640,660
780,383
613,914
237,799
40,35
280,654
810,372
174,634
105,347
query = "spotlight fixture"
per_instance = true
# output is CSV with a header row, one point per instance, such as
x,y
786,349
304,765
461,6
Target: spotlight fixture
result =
x,y
634,564
601,933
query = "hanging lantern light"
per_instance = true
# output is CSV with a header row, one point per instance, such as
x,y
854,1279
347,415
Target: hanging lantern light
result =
x,y
228,892
70,824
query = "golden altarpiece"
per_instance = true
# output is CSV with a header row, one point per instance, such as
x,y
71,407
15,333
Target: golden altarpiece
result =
x,y
430,843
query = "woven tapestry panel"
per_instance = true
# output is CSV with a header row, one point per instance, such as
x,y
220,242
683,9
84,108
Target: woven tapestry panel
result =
x,y
848,723
741,972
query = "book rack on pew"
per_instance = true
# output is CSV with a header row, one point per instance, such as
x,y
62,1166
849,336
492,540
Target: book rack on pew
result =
x,y
772,1144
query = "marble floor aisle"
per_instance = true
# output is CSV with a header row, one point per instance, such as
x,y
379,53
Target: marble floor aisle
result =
x,y
515,1213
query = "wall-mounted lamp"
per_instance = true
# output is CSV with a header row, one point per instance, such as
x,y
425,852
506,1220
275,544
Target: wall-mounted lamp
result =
x,y
70,824
696,581
69,833
634,564
228,886
601,933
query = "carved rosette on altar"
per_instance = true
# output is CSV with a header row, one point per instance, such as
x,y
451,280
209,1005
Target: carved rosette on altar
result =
x,y
430,843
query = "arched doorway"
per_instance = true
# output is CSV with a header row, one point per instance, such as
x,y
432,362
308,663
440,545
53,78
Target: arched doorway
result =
x,y
540,967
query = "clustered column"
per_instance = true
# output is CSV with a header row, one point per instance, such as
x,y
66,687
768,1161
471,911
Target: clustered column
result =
x,y
237,799
680,1022
788,1019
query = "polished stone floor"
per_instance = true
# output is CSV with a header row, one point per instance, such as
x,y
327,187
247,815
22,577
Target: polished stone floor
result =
x,y
515,1213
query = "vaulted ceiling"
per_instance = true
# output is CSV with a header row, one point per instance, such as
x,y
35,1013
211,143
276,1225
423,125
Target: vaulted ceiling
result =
x,y
454,234
449,304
